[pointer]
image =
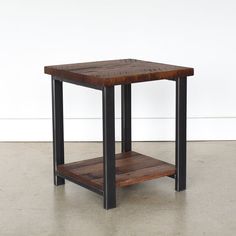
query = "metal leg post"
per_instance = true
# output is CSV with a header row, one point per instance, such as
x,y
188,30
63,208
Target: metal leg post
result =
x,y
126,118
58,133
180,147
109,169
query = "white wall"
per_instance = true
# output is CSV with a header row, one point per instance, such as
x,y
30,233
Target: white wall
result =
x,y
199,34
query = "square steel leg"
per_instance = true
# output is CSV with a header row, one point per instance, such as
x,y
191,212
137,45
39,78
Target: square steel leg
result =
x,y
126,144
58,133
109,169
180,146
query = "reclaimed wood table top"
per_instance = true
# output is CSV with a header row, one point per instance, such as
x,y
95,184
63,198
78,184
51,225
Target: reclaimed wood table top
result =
x,y
116,72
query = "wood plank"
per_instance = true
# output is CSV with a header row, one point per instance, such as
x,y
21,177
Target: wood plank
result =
x,y
141,175
131,168
114,72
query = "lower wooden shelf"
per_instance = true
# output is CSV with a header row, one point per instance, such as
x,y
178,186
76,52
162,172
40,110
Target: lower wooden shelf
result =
x,y
131,168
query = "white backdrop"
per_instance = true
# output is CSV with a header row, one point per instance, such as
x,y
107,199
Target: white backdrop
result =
x,y
199,34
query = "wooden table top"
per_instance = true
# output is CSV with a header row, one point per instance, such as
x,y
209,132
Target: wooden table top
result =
x,y
116,72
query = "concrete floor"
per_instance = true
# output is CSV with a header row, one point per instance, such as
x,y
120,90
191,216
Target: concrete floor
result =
x,y
31,205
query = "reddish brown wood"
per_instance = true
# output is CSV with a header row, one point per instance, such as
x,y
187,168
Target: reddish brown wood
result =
x,y
131,168
114,72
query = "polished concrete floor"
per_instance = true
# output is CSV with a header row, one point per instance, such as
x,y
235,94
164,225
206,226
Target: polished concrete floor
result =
x,y
31,205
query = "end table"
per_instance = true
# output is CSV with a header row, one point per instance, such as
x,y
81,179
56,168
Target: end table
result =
x,y
104,174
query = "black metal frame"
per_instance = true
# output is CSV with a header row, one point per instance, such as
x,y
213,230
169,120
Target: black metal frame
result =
x,y
73,180
109,189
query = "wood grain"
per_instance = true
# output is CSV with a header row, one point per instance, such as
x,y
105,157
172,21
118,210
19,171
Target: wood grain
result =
x,y
115,72
131,168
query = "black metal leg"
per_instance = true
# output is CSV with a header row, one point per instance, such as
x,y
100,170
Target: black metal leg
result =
x,y
109,169
180,147
58,133
126,117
